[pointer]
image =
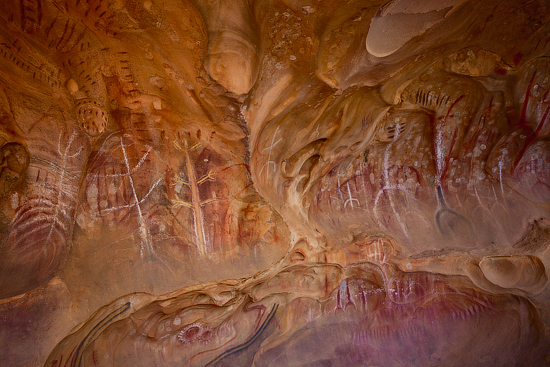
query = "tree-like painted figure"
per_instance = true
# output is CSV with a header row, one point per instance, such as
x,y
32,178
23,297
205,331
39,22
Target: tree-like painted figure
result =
x,y
194,184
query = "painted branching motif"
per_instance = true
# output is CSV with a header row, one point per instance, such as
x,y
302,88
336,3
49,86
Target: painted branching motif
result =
x,y
41,228
123,180
60,191
196,204
143,232
270,163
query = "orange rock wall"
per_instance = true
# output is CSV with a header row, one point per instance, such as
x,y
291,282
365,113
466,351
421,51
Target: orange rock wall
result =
x,y
282,183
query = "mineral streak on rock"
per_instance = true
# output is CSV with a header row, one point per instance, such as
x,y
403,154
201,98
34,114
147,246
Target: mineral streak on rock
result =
x,y
274,182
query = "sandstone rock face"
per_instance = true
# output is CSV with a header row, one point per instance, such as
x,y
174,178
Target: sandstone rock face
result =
x,y
274,183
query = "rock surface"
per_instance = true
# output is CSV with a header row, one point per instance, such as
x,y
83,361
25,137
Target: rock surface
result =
x,y
274,183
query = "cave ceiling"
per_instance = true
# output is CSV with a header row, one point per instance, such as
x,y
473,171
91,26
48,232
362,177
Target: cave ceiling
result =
x,y
274,183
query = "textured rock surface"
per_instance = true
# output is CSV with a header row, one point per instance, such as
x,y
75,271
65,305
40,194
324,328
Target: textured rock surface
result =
x,y
282,183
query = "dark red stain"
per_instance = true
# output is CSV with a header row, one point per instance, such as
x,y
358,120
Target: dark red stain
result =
x,y
442,175
517,58
524,123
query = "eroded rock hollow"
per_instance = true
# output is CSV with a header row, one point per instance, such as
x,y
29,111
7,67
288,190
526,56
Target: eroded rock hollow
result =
x,y
274,183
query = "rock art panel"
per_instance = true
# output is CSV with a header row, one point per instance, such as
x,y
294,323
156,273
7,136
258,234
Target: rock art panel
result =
x,y
371,310
274,183
44,153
